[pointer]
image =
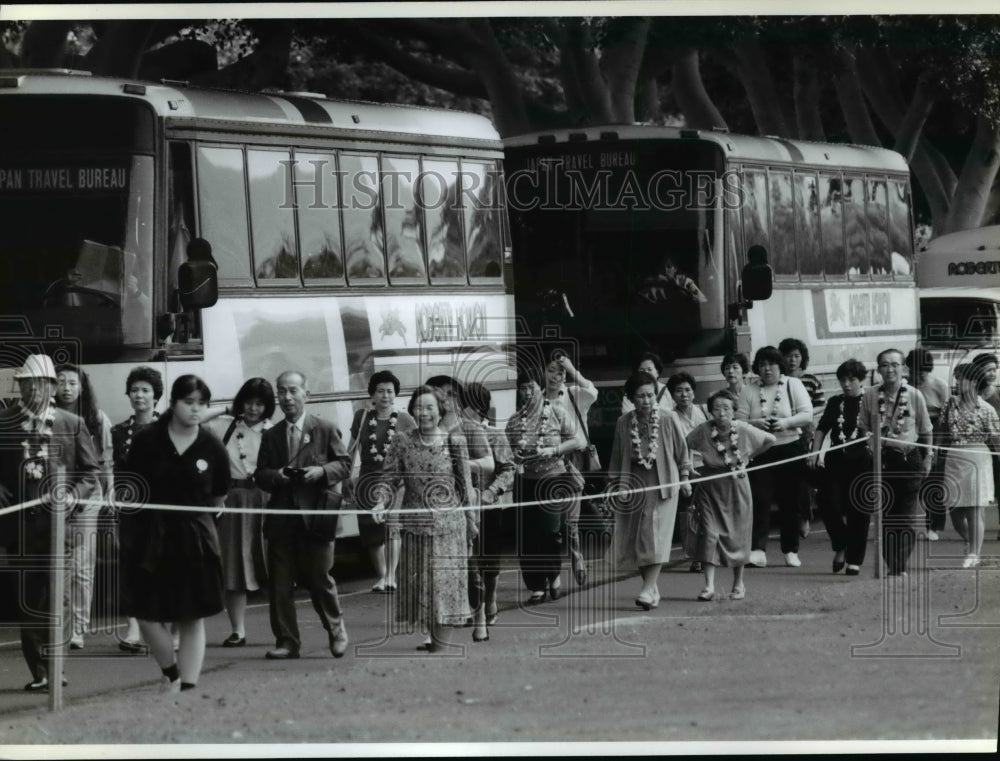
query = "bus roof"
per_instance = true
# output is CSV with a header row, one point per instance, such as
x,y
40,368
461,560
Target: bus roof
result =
x,y
977,241
735,147
178,100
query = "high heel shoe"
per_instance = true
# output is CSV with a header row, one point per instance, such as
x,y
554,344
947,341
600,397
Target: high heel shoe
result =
x,y
485,634
538,596
645,601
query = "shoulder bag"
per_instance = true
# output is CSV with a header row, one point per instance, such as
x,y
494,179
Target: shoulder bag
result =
x,y
591,461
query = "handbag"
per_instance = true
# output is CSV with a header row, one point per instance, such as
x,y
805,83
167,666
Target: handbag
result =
x,y
348,487
590,461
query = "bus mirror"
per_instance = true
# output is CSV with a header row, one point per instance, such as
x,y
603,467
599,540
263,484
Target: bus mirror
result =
x,y
197,285
757,276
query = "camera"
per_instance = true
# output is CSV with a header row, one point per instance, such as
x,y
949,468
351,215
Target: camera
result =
x,y
294,474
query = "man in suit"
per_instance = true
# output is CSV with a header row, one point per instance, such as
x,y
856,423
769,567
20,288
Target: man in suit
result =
x,y
300,462
36,437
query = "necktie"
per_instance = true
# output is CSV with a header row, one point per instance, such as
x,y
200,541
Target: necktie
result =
x,y
294,437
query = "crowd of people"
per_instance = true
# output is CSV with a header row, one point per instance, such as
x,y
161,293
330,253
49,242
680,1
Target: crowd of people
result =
x,y
429,484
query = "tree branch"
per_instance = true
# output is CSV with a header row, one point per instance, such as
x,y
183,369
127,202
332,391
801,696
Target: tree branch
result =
x,y
264,67
755,74
620,65
852,99
912,124
808,122
577,50
968,204
692,98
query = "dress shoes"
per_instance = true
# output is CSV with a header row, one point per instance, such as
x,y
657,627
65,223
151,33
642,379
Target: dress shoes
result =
x,y
338,641
852,570
76,643
41,685
234,640
644,601
695,567
537,597
133,648
555,588
739,592
281,654
792,560
706,595
838,565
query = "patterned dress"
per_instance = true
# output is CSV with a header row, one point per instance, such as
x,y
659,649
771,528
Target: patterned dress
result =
x,y
724,506
968,474
433,573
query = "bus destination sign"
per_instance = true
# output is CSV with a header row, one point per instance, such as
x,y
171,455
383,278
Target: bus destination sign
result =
x,y
63,178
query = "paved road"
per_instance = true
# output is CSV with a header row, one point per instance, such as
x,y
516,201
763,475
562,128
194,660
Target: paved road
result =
x,y
807,655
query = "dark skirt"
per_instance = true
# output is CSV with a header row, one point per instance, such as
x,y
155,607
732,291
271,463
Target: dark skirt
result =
x,y
171,566
242,542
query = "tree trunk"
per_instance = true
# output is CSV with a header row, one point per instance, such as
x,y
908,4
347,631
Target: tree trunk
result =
x,y
179,60
43,45
119,49
767,107
692,98
968,204
852,100
912,124
808,121
509,112
620,65
647,99
576,47
266,66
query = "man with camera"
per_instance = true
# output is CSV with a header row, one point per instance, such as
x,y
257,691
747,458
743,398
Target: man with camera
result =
x,y
301,460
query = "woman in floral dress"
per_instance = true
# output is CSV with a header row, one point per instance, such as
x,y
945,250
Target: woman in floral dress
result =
x,y
724,506
648,453
433,468
970,425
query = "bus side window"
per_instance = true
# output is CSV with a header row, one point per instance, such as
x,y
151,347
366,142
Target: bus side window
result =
x,y
317,204
855,225
404,239
831,216
482,219
878,225
807,224
899,228
223,212
782,225
364,231
273,230
439,191
755,205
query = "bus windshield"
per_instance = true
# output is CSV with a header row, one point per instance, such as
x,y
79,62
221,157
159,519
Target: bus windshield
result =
x,y
76,215
949,321
615,243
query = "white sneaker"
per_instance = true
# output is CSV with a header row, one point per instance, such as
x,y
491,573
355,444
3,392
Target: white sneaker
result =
x,y
76,643
758,559
169,688
932,535
971,561
792,559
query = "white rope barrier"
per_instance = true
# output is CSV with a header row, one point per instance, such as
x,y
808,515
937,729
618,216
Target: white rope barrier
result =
x,y
939,448
126,506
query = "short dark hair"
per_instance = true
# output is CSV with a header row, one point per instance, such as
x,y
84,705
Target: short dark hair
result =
x,y
972,372
528,374
919,360
255,388
770,355
878,359
420,391
852,368
382,376
476,397
144,374
788,345
677,379
635,381
724,393
440,381
735,359
985,359
652,357
187,385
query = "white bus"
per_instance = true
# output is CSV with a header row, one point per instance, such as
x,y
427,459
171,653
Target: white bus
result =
x,y
594,211
959,279
346,237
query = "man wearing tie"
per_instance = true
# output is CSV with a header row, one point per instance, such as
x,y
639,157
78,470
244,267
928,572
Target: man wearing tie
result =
x,y
301,460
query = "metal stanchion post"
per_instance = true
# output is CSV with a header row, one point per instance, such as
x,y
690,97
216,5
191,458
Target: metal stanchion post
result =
x,y
57,589
877,455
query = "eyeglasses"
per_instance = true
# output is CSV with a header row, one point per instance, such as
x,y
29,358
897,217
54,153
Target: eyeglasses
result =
x,y
892,365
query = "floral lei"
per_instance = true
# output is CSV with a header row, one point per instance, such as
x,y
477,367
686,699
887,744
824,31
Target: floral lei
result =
x,y
840,438
734,462
654,440
34,468
240,446
378,455
777,398
131,428
895,425
521,428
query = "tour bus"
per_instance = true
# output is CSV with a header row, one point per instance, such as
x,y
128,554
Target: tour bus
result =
x,y
959,279
693,244
237,234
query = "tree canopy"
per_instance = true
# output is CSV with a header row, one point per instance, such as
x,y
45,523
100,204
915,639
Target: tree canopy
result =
x,y
927,86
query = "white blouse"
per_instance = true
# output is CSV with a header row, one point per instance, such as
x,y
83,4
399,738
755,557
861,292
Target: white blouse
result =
x,y
240,468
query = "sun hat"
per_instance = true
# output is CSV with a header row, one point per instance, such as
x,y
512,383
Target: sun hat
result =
x,y
37,366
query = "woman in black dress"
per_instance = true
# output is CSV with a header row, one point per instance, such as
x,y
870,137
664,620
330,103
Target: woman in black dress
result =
x,y
171,561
